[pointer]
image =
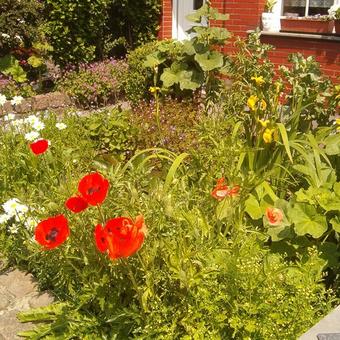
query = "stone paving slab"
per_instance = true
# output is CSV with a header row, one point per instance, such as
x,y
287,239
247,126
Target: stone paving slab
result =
x,y
330,325
18,292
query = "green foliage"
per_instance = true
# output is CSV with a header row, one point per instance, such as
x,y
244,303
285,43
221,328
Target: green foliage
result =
x,y
138,78
314,89
10,88
19,23
76,29
177,125
112,133
127,23
185,67
10,67
94,85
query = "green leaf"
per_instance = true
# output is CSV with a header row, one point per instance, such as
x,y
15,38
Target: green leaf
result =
x,y
188,47
252,207
280,232
335,222
209,60
332,143
35,61
172,171
307,220
285,140
224,209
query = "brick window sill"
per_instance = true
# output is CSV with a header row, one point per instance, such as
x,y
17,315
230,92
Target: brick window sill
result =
x,y
325,37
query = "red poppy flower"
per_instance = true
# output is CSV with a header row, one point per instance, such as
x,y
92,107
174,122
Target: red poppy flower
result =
x,y
101,238
39,147
221,190
52,232
233,191
93,188
121,236
274,216
76,204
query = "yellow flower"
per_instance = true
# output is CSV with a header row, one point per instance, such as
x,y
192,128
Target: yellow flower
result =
x,y
268,135
263,105
154,89
258,80
337,121
278,86
251,102
264,123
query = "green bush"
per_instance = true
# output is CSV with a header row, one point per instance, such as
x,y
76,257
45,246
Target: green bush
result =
x,y
95,84
133,22
19,23
112,133
138,78
76,29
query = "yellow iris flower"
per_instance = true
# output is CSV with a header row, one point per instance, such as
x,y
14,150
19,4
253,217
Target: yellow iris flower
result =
x,y
258,80
154,89
264,123
252,101
268,135
263,105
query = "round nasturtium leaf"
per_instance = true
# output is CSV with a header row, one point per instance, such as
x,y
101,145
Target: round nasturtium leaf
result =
x,y
307,220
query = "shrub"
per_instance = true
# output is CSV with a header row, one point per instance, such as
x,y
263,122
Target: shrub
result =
x,y
112,133
76,29
95,84
19,23
127,22
138,78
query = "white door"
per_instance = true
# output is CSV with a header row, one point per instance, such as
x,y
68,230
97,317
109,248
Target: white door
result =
x,y
180,9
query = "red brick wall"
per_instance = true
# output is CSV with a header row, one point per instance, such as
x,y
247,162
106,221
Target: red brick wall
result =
x,y
165,31
327,53
246,15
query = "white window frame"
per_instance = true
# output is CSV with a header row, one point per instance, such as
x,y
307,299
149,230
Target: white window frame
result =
x,y
175,16
280,6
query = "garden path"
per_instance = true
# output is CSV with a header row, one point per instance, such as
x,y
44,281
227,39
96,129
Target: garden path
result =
x,y
18,292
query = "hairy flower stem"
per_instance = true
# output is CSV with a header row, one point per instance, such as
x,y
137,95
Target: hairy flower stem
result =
x,y
134,283
101,215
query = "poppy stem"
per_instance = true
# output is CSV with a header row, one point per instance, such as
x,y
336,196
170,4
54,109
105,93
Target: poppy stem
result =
x,y
101,214
134,283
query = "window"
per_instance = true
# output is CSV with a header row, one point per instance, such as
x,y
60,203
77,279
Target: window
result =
x,y
298,8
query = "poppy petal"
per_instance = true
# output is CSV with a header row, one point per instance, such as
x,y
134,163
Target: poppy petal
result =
x,y
123,236
52,232
101,238
93,188
76,204
39,147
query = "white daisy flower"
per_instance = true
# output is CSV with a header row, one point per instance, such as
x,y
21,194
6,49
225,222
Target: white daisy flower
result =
x,y
38,125
13,207
61,126
10,206
17,100
8,117
13,229
32,119
4,218
3,99
32,136
30,223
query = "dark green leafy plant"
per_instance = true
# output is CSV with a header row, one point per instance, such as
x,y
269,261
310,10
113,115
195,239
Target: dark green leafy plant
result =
x,y
76,29
19,24
195,63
